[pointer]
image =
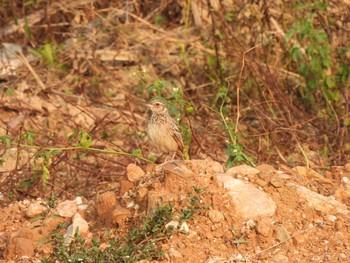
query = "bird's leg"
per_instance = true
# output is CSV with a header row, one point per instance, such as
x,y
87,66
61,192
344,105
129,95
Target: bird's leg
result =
x,y
172,158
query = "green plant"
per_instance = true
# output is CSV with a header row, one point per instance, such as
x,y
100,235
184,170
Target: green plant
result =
x,y
195,205
140,243
49,55
234,151
311,53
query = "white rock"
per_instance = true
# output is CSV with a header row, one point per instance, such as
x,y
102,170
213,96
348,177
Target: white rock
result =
x,y
35,209
79,225
80,203
173,223
319,202
345,179
249,201
184,228
67,208
332,218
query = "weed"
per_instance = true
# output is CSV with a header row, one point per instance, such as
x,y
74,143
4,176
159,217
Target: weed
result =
x,y
311,54
141,243
234,150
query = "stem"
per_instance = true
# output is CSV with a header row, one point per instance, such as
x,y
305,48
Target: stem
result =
x,y
233,138
86,149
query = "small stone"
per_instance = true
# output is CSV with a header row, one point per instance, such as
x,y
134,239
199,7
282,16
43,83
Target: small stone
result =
x,y
184,228
243,170
216,216
125,186
172,224
331,218
106,203
79,225
345,179
277,182
264,227
67,208
260,182
250,224
35,209
120,215
339,225
299,239
282,234
134,173
81,205
174,253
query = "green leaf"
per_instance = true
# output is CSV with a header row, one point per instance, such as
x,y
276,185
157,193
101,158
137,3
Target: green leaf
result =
x,y
5,139
136,153
85,140
45,175
320,6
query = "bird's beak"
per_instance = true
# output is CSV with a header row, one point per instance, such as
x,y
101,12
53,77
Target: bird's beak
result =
x,y
149,106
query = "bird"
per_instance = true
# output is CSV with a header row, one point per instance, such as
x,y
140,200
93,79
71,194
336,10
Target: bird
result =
x,y
163,131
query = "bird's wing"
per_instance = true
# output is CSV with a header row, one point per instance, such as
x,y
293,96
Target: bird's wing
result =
x,y
177,136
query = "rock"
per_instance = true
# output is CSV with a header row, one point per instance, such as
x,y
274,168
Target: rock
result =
x,y
279,258
282,234
319,202
106,203
205,167
216,216
299,239
67,208
265,169
80,203
134,173
120,215
19,247
277,182
125,186
79,225
250,202
264,227
184,228
331,218
260,182
243,170
174,253
345,179
35,209
172,224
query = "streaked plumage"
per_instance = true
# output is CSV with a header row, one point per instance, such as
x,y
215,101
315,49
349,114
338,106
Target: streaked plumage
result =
x,y
162,129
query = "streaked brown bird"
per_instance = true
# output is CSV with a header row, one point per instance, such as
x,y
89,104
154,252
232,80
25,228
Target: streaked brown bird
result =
x,y
163,131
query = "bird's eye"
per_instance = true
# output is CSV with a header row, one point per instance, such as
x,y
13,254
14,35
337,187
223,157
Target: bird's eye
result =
x,y
157,104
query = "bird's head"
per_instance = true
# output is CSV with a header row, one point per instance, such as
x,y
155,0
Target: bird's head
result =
x,y
157,106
